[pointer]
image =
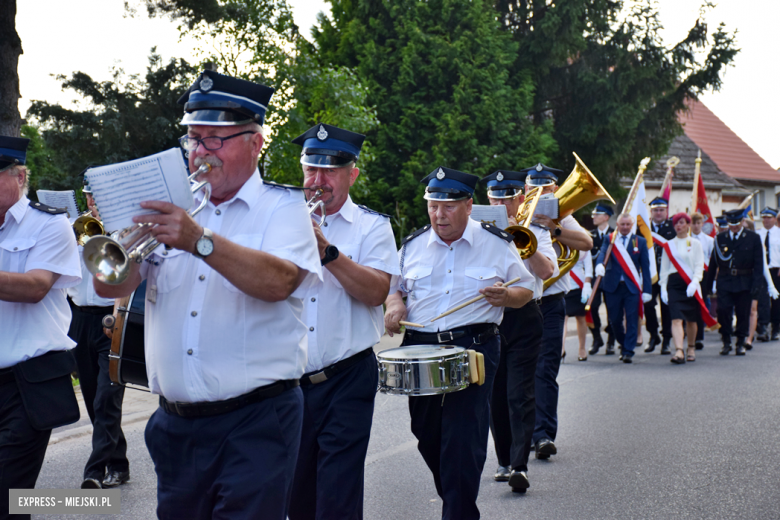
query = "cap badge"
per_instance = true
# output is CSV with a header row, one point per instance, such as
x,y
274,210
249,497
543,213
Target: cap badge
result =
x,y
539,167
322,134
500,177
440,174
206,84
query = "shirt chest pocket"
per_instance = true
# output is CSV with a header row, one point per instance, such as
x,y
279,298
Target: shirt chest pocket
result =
x,y
168,269
418,281
478,278
14,253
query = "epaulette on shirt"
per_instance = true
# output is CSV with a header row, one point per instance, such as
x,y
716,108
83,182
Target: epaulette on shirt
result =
x,y
282,186
369,210
47,209
500,233
416,234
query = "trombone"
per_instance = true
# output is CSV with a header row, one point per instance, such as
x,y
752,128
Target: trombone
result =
x,y
524,238
86,227
109,258
314,206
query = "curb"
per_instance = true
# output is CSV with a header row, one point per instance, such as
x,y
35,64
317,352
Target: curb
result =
x,y
81,431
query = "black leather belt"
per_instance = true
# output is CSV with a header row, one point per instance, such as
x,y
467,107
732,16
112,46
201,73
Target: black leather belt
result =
x,y
101,311
6,376
312,378
551,298
740,272
205,409
480,332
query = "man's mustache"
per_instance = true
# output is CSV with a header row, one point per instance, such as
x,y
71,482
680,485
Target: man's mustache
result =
x,y
212,160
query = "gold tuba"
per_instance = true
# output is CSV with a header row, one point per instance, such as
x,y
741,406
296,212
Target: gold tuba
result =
x,y
580,189
86,227
524,238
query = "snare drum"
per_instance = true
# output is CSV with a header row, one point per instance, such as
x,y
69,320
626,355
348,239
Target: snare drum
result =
x,y
127,362
423,370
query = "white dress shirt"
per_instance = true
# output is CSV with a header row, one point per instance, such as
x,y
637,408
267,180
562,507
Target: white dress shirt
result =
x,y
339,326
707,245
774,245
84,294
29,240
562,285
543,246
689,252
205,339
583,269
439,276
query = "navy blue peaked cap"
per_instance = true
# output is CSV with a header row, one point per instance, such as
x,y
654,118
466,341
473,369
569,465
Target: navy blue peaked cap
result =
x,y
603,209
13,151
721,221
768,212
541,175
218,100
659,202
504,184
734,216
329,146
448,184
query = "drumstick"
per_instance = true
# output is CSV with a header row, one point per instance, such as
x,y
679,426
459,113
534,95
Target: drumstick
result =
x,y
410,324
473,300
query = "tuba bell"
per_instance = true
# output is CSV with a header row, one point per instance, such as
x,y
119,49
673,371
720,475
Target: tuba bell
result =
x,y
579,189
86,227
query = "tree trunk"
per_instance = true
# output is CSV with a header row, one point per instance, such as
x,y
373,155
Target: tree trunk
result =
x,y
10,49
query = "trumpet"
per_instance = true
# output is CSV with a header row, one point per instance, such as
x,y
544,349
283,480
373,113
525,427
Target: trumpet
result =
x,y
86,227
313,206
109,258
524,238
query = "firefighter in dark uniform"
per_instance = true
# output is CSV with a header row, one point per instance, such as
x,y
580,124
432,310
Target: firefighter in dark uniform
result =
x,y
660,224
601,215
737,261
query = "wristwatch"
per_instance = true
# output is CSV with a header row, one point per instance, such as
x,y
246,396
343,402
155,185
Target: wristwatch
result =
x,y
557,232
331,253
205,245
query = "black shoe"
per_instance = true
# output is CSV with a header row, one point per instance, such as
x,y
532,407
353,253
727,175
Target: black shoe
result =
x,y
740,351
775,335
91,483
610,349
699,345
544,448
518,480
665,349
654,342
597,344
627,359
725,350
116,478
502,474
748,346
763,336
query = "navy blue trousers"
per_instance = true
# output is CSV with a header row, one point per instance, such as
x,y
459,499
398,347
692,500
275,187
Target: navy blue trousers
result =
x,y
337,416
513,405
452,434
621,302
547,368
102,399
236,465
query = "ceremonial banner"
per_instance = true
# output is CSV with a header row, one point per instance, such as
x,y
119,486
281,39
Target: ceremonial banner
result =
x,y
703,207
629,269
642,221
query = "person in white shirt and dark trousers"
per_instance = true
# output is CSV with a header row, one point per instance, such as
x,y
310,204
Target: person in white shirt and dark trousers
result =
x,y
707,243
676,293
769,309
343,314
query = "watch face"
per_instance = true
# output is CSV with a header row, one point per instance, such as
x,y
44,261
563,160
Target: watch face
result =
x,y
205,247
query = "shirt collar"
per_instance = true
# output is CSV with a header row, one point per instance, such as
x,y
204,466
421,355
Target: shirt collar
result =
x,y
347,211
249,192
736,235
18,210
468,234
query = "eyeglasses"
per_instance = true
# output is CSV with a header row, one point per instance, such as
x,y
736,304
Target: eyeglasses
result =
x,y
190,144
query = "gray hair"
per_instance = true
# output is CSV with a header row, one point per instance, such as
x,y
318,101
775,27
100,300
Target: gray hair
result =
x,y
625,216
21,170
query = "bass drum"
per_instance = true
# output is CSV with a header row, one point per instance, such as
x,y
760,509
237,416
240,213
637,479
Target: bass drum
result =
x,y
127,362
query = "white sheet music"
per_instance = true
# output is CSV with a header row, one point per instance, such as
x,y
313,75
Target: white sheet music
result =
x,y
495,215
60,199
118,189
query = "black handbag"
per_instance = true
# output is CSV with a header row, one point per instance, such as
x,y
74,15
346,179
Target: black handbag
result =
x,y
47,391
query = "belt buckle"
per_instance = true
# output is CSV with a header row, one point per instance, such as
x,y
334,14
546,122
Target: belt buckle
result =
x,y
319,377
733,272
441,339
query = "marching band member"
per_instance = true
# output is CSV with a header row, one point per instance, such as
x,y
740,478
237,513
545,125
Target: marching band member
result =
x,y
707,243
107,465
601,215
678,293
770,238
737,262
580,290
225,342
571,234
513,403
38,262
442,264
343,314
661,225
626,283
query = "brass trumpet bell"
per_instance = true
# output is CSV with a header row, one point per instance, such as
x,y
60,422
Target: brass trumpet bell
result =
x,y
86,227
524,239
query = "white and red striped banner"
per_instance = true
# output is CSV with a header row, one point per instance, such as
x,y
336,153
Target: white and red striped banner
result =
x,y
580,284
